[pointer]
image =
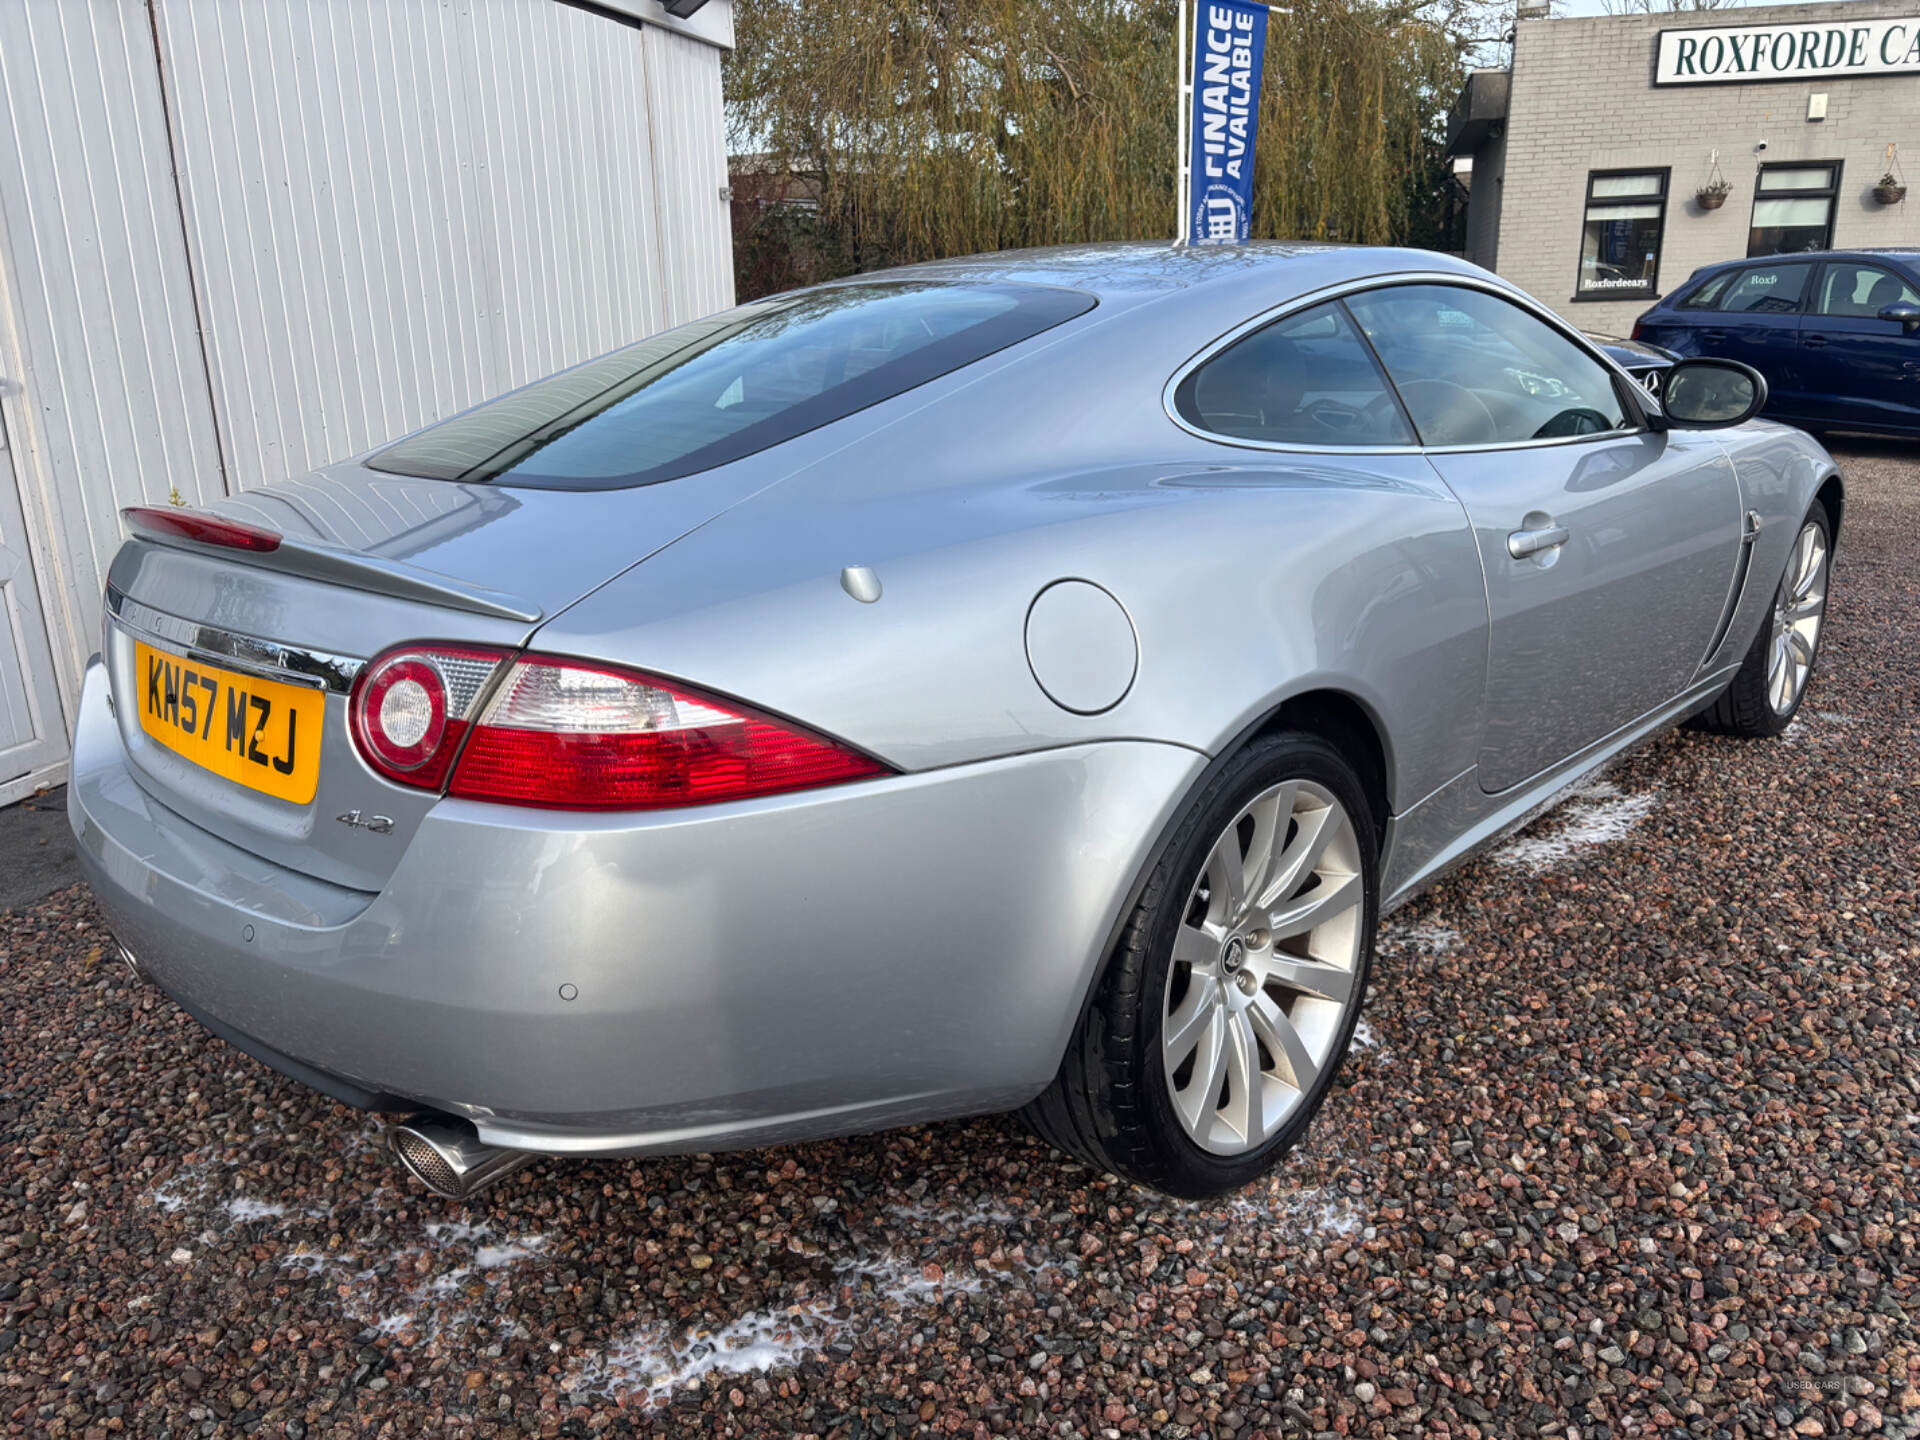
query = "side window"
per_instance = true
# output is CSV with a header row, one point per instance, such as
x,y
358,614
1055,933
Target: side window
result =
x,y
1861,292
1707,296
1304,380
1474,369
1767,290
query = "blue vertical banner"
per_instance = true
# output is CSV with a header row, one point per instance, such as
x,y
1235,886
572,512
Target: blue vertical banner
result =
x,y
1229,48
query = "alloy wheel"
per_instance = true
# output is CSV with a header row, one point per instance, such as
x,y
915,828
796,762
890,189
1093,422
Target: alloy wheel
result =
x,y
1797,614
1264,967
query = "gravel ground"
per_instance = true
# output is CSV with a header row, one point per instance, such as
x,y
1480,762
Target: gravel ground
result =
x,y
1629,1149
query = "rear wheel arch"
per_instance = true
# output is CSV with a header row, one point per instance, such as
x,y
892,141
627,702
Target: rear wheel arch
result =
x,y
1334,715
1345,722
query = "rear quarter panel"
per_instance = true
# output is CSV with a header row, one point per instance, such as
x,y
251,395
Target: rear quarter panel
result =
x,y
1248,576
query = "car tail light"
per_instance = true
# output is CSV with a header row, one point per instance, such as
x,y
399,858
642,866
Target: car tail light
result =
x,y
411,707
568,735
172,522
1639,330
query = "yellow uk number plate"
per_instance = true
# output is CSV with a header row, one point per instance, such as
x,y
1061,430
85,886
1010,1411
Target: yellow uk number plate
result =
x,y
259,733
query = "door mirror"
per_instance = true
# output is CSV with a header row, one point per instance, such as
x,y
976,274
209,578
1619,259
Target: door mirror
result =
x,y
1712,394
1905,314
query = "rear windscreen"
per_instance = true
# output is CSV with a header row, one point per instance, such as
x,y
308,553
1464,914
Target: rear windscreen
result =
x,y
728,386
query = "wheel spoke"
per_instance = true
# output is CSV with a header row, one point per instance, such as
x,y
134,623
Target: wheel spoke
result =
x,y
1315,830
1782,677
1194,946
1332,896
1311,977
1806,560
1270,814
1799,646
1272,1025
1801,607
1246,1103
1184,1026
1226,878
1198,1102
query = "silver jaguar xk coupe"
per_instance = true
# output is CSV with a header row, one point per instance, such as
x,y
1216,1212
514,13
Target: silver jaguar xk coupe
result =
x,y
1017,681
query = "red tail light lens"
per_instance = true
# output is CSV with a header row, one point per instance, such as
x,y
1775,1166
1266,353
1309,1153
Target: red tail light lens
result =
x,y
567,735
1639,330
411,707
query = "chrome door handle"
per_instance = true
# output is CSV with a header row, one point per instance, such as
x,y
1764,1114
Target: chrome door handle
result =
x,y
1522,543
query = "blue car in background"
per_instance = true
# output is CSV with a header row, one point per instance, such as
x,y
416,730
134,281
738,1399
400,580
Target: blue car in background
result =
x,y
1836,333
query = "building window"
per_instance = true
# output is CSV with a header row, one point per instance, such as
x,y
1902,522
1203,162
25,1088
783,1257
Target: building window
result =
x,y
1793,208
1626,215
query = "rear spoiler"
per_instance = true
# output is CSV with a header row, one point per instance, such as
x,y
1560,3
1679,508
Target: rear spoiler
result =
x,y
208,534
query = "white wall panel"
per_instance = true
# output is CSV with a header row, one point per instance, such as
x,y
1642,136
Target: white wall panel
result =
x,y
690,161
242,240
560,119
104,395
399,209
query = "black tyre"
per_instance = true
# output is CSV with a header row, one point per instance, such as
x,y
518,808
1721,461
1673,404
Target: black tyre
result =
x,y
1222,1018
1772,681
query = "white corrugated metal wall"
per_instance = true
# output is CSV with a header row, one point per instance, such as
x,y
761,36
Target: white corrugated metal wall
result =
x,y
383,211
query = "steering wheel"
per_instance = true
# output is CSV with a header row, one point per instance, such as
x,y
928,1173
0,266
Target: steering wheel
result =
x,y
1578,421
1337,416
1449,414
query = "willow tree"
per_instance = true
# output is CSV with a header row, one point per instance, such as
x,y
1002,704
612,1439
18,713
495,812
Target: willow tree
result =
x,y
924,128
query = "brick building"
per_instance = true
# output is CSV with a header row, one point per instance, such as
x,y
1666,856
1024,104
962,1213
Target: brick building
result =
x,y
1589,154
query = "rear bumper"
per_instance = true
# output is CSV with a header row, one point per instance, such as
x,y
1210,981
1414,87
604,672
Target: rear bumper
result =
x,y
872,954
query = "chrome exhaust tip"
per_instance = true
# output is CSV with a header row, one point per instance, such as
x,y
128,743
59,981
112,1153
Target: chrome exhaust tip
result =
x,y
449,1157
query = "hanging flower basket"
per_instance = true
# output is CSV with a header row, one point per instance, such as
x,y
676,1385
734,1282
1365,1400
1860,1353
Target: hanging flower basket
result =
x,y
1889,191
1713,194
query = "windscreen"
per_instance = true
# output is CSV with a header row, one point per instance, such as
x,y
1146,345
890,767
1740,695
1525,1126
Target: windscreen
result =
x,y
730,385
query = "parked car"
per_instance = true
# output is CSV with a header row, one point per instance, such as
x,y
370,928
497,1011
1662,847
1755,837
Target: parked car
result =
x,y
1837,333
1017,681
1646,363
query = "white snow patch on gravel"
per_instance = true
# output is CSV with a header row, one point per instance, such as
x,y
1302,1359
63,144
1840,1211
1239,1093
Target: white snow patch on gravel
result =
x,y
1310,1211
1423,939
442,1301
1364,1038
959,1217
189,1185
494,1257
1596,814
653,1366
650,1365
243,1209
458,1232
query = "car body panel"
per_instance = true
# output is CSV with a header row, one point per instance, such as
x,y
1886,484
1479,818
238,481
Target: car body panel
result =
x,y
712,987
918,944
1590,636
1845,372
1860,371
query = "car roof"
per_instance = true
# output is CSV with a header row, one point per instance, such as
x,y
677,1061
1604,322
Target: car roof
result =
x,y
1874,252
1140,269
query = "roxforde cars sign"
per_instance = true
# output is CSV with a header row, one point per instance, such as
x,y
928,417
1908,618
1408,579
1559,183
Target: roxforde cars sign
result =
x,y
1735,53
